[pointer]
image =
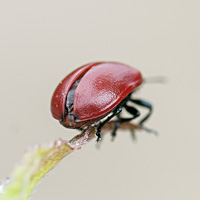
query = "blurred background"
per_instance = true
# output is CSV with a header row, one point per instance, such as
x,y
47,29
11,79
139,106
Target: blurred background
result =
x,y
42,41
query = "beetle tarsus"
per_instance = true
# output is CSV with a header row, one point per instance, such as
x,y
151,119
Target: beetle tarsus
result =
x,y
148,130
98,137
98,134
133,136
117,124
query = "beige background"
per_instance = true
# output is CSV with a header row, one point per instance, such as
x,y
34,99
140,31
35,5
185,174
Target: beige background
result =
x,y
41,41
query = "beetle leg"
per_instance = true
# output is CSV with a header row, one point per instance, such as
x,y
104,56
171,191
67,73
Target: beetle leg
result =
x,y
131,110
115,112
148,130
98,134
117,124
145,104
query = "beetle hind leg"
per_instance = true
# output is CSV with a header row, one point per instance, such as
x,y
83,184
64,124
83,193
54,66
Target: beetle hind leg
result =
x,y
148,105
145,104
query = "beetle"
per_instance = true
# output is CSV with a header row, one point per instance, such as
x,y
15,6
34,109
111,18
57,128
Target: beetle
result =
x,y
95,93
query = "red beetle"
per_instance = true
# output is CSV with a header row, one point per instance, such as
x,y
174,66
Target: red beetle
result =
x,y
94,91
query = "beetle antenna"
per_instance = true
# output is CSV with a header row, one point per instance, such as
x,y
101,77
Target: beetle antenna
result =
x,y
155,79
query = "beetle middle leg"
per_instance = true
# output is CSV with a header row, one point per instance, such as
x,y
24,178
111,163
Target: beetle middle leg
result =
x,y
115,112
132,111
117,124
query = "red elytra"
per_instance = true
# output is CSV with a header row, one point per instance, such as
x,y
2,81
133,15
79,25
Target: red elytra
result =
x,y
100,87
